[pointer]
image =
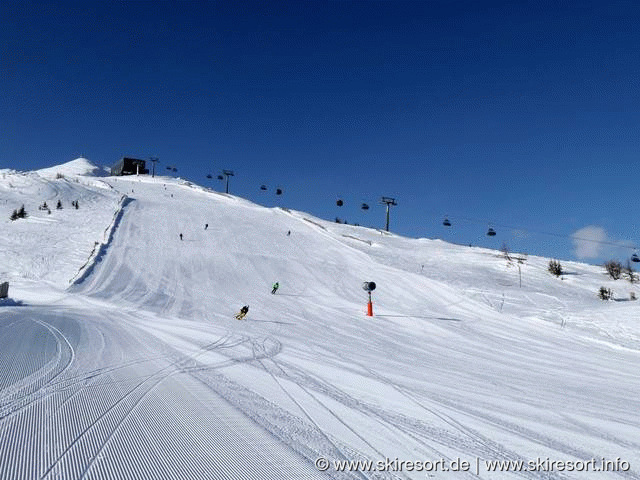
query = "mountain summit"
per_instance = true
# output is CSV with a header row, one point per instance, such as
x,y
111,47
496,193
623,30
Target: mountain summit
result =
x,y
79,166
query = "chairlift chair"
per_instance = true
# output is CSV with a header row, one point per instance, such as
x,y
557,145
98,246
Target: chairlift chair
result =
x,y
491,232
339,202
209,176
446,222
635,258
365,206
263,187
278,191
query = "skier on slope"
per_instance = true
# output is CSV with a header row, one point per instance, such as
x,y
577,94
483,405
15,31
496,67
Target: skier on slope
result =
x,y
243,312
275,288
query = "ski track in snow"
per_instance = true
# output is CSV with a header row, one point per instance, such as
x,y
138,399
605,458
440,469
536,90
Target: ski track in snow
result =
x,y
138,369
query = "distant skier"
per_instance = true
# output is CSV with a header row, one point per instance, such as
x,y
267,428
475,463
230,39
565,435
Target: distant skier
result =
x,y
288,233
243,312
206,225
180,236
275,288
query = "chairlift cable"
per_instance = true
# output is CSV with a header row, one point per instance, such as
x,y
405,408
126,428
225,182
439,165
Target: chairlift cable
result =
x,y
541,232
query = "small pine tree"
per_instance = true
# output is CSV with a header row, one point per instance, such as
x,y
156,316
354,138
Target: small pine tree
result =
x,y
555,268
14,215
605,293
22,213
614,269
59,205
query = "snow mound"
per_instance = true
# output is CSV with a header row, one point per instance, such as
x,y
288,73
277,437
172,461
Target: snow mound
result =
x,y
79,166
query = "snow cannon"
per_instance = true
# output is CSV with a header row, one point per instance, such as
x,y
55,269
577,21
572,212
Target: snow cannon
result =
x,y
369,287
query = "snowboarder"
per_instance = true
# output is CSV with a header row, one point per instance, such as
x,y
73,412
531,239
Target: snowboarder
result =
x,y
243,311
275,288
206,225
180,236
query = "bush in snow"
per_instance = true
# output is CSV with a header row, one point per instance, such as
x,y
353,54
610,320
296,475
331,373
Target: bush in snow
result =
x,y
505,254
605,293
20,213
555,268
629,273
614,269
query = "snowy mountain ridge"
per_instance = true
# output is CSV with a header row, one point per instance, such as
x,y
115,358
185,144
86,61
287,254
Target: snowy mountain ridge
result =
x,y
128,362
79,166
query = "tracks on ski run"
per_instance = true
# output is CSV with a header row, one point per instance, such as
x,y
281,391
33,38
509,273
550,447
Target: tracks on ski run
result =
x,y
135,409
21,393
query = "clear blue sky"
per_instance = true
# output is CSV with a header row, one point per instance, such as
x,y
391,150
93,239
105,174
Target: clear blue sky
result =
x,y
522,115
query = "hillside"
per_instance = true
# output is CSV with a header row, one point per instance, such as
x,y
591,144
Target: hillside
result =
x,y
120,356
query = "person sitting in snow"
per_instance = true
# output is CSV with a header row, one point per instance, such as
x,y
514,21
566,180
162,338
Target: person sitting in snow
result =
x,y
275,288
243,311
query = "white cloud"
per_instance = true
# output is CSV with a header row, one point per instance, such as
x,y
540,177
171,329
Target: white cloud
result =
x,y
588,241
594,242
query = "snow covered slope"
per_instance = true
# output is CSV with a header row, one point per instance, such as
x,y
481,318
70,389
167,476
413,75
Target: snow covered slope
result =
x,y
52,244
74,168
132,366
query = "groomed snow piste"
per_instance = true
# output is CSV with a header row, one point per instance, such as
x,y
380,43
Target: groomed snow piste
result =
x,y
120,356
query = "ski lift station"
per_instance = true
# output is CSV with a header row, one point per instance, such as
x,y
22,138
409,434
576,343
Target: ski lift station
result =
x,y
129,166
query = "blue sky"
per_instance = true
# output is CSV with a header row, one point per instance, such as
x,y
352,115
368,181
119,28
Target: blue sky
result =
x,y
522,116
